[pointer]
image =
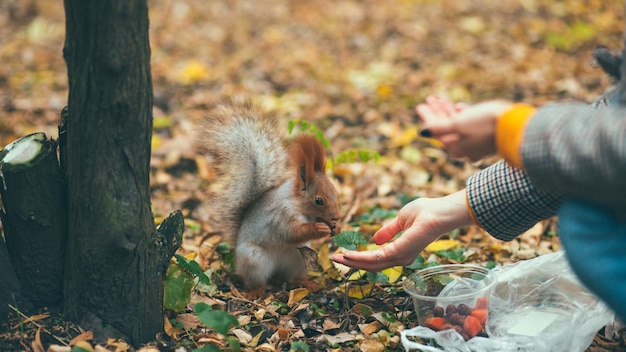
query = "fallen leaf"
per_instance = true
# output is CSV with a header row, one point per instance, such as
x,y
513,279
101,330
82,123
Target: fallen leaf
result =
x,y
393,273
442,245
368,329
357,275
341,337
405,138
329,324
296,295
36,344
358,291
243,336
85,336
188,320
371,346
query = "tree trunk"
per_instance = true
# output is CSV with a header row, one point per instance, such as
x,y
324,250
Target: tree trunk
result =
x,y
114,262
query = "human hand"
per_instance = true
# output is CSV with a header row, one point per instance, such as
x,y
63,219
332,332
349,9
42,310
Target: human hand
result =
x,y
465,132
421,221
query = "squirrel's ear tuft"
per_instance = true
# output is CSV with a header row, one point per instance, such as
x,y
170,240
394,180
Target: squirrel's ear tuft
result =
x,y
309,156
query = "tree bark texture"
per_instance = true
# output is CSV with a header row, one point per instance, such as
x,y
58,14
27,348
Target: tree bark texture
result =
x,y
114,274
34,219
10,288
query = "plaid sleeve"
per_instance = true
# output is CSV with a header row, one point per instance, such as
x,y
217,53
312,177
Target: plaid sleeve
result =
x,y
505,203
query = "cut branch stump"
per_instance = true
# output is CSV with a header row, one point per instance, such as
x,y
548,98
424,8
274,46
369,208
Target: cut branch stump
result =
x,y
34,218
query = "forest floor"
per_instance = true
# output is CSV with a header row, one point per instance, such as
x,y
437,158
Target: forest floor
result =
x,y
353,68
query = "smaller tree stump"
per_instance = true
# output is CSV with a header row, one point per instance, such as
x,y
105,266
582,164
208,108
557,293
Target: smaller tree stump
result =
x,y
34,217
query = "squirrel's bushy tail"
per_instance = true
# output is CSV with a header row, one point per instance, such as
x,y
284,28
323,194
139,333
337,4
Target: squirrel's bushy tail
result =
x,y
246,144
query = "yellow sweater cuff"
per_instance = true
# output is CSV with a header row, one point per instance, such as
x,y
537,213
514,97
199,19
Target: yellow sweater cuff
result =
x,y
510,129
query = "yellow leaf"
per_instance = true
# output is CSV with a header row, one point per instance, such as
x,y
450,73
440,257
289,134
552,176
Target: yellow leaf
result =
x,y
442,245
404,139
358,291
393,273
357,275
156,141
323,258
296,295
193,71
383,91
472,24
161,122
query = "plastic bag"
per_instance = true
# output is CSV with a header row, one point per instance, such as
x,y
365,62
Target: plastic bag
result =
x,y
536,305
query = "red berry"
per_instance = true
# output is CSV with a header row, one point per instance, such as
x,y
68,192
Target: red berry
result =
x,y
463,309
438,311
450,309
457,319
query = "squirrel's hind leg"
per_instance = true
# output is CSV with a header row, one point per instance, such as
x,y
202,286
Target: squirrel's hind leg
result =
x,y
254,265
292,268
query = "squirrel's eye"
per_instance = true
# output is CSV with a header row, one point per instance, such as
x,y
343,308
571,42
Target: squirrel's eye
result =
x,y
319,201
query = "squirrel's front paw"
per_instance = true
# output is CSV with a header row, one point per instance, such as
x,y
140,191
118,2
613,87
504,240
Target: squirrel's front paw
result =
x,y
322,229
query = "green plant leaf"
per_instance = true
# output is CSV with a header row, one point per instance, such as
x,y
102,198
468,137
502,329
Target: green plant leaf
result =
x,y
349,240
178,285
299,346
218,320
418,263
192,267
378,277
201,307
291,124
234,344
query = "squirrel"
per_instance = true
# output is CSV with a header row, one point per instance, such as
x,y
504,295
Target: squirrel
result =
x,y
270,196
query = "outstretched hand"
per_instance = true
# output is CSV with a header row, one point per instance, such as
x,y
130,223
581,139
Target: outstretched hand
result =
x,y
465,131
421,221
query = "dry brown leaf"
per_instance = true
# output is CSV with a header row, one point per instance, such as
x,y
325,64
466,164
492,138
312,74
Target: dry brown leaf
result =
x,y
59,348
341,337
85,336
370,345
36,343
242,335
188,320
368,329
148,349
296,295
329,324
266,347
118,345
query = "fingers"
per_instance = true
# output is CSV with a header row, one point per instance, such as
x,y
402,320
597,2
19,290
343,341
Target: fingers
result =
x,y
387,232
372,260
437,116
441,105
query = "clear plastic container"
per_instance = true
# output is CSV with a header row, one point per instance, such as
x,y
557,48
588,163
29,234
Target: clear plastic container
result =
x,y
450,284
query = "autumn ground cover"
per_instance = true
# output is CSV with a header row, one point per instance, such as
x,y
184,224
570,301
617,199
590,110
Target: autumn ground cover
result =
x,y
353,68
